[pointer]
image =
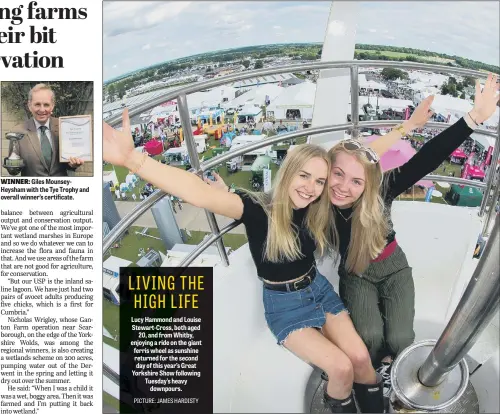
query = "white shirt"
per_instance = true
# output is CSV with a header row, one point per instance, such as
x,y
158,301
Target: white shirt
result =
x,y
47,131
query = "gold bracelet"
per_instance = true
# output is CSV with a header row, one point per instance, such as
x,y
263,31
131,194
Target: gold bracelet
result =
x,y
141,163
401,130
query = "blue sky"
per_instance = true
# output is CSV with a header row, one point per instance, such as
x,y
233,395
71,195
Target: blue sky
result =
x,y
141,33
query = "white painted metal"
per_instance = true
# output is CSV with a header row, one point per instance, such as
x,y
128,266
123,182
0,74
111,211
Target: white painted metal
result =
x,y
253,374
333,85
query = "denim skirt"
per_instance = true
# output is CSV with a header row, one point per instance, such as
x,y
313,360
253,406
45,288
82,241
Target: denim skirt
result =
x,y
306,308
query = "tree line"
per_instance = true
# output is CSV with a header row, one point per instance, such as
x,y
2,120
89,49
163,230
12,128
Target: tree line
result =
x,y
306,51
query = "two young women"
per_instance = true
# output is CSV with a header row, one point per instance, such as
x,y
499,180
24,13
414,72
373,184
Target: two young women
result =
x,y
285,228
376,282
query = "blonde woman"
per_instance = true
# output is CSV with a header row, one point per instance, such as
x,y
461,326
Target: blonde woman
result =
x,y
284,229
376,282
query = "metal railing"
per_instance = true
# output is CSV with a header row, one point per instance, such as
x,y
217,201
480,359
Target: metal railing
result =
x,y
474,312
302,67
355,125
495,156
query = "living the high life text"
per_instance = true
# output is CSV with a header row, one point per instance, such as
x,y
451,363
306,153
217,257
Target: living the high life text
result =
x,y
166,334
14,17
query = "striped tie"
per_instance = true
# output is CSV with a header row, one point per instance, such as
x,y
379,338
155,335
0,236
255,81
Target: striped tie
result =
x,y
45,146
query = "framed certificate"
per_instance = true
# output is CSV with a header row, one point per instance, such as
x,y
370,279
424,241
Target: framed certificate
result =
x,y
75,137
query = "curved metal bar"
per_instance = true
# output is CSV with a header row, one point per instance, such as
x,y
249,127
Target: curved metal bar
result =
x,y
207,242
201,247
195,162
455,180
310,131
354,101
243,149
491,176
435,125
492,211
130,218
474,312
158,195
199,86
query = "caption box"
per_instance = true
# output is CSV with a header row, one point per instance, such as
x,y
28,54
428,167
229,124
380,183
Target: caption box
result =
x,y
166,340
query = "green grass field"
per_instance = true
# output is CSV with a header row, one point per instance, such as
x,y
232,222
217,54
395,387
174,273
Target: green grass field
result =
x,y
435,59
235,241
111,401
128,247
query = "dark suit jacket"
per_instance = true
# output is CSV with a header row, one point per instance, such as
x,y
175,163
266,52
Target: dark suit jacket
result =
x,y
32,154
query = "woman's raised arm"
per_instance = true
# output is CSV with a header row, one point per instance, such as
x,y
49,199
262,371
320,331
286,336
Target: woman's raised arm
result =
x,y
434,152
118,149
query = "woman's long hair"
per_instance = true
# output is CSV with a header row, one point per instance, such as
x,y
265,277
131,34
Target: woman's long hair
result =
x,y
369,224
282,236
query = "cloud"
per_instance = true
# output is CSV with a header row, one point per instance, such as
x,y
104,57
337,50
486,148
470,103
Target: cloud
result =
x,y
122,17
146,47
461,28
179,29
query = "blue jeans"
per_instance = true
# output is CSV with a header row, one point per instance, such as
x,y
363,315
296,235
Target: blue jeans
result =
x,y
306,308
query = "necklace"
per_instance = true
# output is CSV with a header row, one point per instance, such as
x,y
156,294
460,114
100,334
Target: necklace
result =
x,y
338,210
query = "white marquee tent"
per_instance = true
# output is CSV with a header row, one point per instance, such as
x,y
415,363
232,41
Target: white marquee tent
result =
x,y
370,85
211,98
429,79
383,103
446,105
256,96
299,97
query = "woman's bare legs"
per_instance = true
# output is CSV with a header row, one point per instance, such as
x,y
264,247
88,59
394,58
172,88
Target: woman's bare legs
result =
x,y
311,346
340,330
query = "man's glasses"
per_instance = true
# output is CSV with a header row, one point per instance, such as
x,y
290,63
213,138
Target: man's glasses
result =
x,y
354,145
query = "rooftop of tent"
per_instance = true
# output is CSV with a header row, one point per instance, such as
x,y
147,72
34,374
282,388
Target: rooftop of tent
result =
x,y
263,79
301,94
256,95
382,103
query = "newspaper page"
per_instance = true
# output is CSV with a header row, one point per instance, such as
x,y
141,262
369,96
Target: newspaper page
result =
x,y
91,249
50,207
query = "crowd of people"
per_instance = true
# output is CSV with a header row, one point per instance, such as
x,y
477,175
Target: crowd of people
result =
x,y
163,129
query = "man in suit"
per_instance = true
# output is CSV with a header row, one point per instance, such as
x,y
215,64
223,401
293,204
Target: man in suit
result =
x,y
40,146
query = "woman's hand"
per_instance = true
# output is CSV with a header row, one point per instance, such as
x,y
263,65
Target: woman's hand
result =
x,y
218,183
421,115
117,145
485,101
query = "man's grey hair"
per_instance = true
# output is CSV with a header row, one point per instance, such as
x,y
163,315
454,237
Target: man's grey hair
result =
x,y
41,87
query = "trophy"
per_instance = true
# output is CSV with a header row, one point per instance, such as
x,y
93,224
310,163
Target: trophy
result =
x,y
13,163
